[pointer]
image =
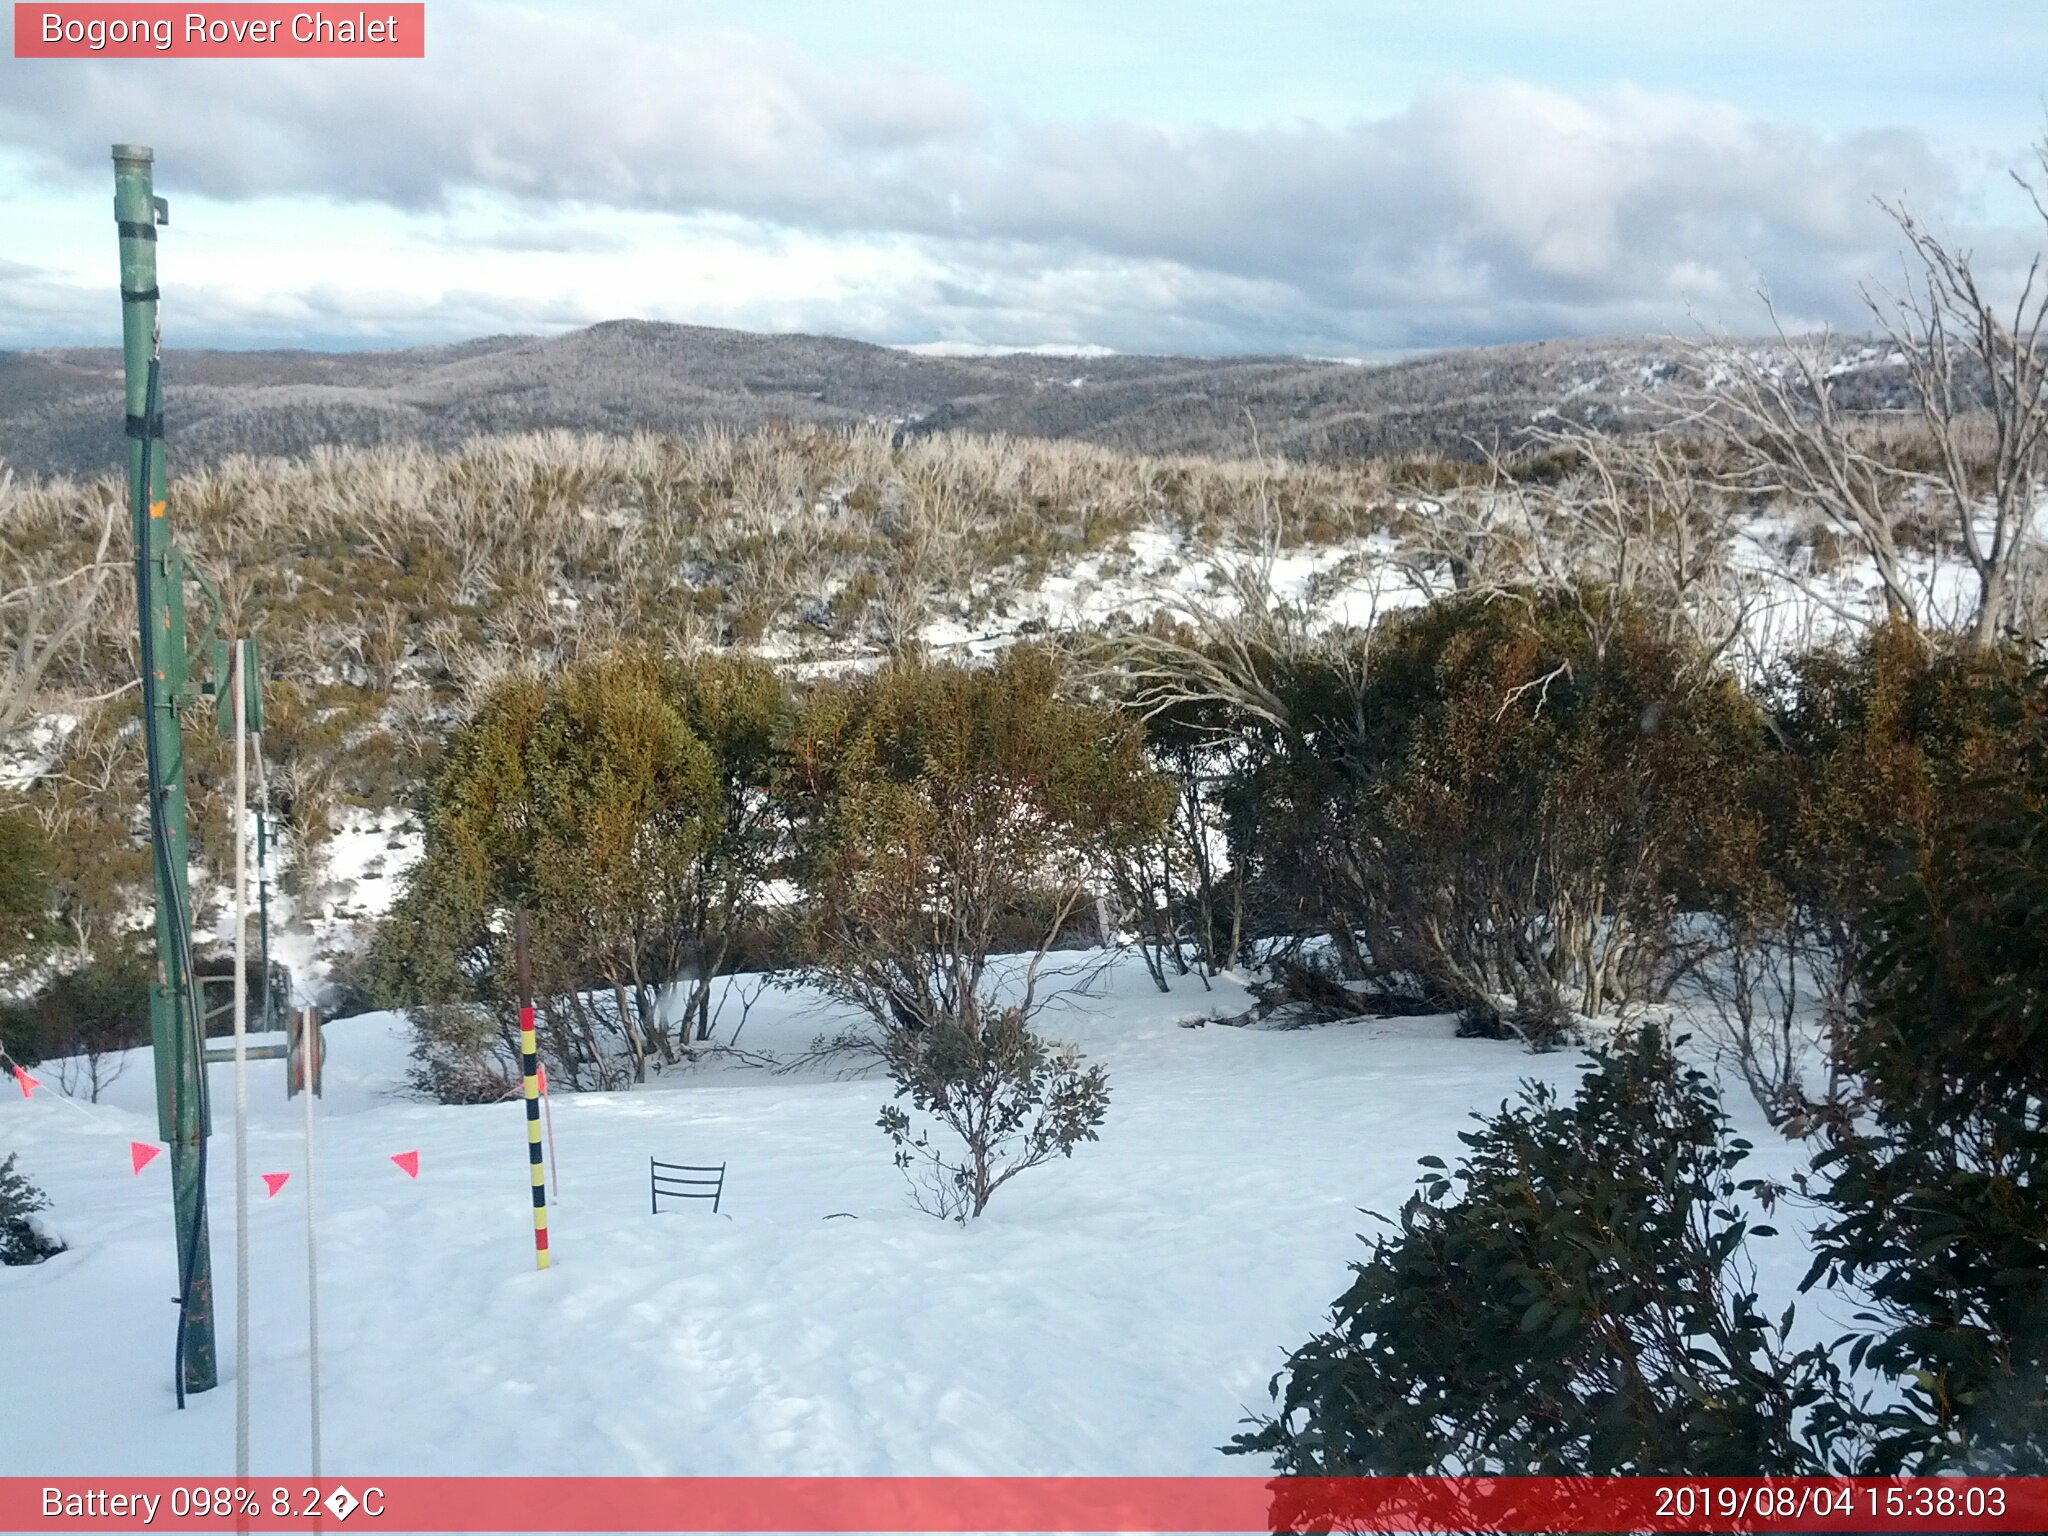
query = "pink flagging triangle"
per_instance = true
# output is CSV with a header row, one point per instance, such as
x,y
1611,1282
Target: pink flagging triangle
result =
x,y
29,1085
274,1182
140,1153
409,1162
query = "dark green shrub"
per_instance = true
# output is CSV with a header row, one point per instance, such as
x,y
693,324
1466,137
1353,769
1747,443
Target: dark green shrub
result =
x,y
86,1020
623,805
25,895
1517,800
20,1037
1575,1299
1870,749
97,865
20,1241
943,814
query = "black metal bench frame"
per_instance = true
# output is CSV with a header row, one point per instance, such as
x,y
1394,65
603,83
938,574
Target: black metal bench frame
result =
x,y
683,1181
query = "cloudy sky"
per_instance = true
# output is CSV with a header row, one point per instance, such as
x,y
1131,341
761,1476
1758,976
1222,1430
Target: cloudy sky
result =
x,y
1335,179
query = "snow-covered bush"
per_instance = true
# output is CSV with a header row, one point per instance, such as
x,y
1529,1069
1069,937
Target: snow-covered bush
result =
x,y
22,1239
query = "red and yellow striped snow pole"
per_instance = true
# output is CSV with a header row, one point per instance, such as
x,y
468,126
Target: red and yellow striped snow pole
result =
x,y
529,1066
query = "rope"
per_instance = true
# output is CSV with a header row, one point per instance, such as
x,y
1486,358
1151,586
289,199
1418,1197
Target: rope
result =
x,y
554,1166
54,1092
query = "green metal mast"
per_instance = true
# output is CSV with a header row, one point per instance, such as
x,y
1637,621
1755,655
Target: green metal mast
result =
x,y
175,1024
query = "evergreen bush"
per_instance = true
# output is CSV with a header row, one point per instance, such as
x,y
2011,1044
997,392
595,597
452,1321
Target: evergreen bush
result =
x,y
21,1240
1940,1161
1575,1298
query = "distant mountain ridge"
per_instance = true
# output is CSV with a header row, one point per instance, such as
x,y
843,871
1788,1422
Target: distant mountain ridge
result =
x,y
61,412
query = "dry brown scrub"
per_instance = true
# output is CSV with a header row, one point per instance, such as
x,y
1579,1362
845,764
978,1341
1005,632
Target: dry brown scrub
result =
x,y
389,585
386,585
387,567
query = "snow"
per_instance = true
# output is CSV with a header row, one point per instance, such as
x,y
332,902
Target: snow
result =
x,y
1154,569
1116,1314
1357,581
33,750
362,869
997,349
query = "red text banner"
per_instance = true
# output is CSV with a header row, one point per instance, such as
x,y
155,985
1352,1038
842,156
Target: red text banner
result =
x,y
1019,1504
100,31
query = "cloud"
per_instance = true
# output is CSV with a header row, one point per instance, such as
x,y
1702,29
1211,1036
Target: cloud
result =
x,y
535,235
36,308
1479,212
606,105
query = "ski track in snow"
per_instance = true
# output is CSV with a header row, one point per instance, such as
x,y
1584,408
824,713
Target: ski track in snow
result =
x,y
1116,1314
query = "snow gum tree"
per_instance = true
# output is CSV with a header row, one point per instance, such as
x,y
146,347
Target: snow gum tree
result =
x,y
1973,349
947,815
596,804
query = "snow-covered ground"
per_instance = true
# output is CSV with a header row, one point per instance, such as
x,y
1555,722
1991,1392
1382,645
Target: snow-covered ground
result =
x,y
362,865
1790,606
33,750
1116,1314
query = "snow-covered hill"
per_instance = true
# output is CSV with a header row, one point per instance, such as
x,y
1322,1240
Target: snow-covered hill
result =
x,y
60,410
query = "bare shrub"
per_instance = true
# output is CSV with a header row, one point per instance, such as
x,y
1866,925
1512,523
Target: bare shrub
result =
x,y
1758,989
1011,1100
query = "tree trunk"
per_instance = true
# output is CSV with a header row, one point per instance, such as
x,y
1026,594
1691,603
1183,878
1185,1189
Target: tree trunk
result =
x,y
650,1021
1991,585
634,1042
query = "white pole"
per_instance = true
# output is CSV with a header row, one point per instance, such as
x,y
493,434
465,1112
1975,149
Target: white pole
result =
x,y
309,1044
310,1066
241,1065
